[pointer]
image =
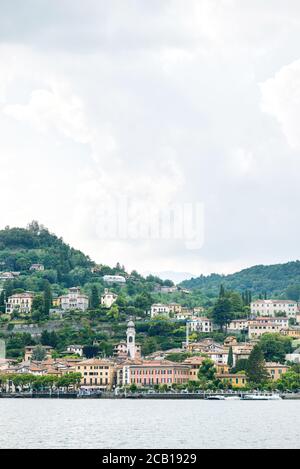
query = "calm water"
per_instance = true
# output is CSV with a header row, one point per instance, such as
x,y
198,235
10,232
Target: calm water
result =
x,y
45,423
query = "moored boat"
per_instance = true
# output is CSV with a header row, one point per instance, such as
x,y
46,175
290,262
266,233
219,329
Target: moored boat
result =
x,y
215,398
262,397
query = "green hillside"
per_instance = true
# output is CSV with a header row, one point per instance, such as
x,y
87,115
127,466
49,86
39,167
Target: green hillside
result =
x,y
279,280
64,266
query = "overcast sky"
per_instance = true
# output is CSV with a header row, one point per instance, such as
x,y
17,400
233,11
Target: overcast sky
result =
x,y
156,103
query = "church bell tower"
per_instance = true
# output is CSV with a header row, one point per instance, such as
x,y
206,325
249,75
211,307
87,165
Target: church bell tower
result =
x,y
131,340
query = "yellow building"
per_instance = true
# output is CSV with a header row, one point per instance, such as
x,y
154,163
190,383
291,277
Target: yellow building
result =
x,y
222,369
238,380
96,373
20,303
194,363
29,349
56,302
292,332
276,370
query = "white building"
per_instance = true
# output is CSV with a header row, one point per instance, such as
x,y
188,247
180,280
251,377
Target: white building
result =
x,y
263,325
220,357
184,314
271,308
159,309
237,325
114,279
76,349
20,303
74,300
108,298
37,267
164,289
293,357
8,275
200,325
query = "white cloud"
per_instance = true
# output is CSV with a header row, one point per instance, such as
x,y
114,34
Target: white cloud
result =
x,y
281,99
53,109
156,104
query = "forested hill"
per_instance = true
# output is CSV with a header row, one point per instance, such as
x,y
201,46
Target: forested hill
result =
x,y
278,280
64,266
20,248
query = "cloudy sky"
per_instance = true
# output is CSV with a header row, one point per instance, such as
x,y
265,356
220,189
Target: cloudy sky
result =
x,y
150,105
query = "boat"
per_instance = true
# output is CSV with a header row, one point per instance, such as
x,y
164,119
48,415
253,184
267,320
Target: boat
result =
x,y
215,398
262,397
232,398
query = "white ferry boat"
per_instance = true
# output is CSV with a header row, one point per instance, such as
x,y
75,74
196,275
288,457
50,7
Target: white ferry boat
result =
x,y
262,397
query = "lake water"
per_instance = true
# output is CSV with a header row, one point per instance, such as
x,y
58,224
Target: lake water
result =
x,y
46,423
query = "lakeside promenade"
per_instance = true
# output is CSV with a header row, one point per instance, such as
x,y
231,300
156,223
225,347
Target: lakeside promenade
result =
x,y
138,395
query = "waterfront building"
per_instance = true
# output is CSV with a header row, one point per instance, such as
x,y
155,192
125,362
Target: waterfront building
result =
x,y
194,363
20,303
108,298
271,308
276,370
74,300
236,380
146,373
96,373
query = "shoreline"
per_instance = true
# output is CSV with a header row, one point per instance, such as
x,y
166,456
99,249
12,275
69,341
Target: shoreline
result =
x,y
174,396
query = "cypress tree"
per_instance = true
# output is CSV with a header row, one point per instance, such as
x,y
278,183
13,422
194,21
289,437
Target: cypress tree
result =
x,y
222,291
230,358
256,370
94,299
47,298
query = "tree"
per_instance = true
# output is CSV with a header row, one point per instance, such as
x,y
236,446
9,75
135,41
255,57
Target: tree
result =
x,y
222,313
207,370
275,347
241,365
230,358
47,298
37,307
2,301
90,351
222,291
38,354
235,301
49,338
256,370
289,381
293,292
94,298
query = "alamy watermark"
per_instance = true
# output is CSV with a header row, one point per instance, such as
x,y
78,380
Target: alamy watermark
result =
x,y
131,220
